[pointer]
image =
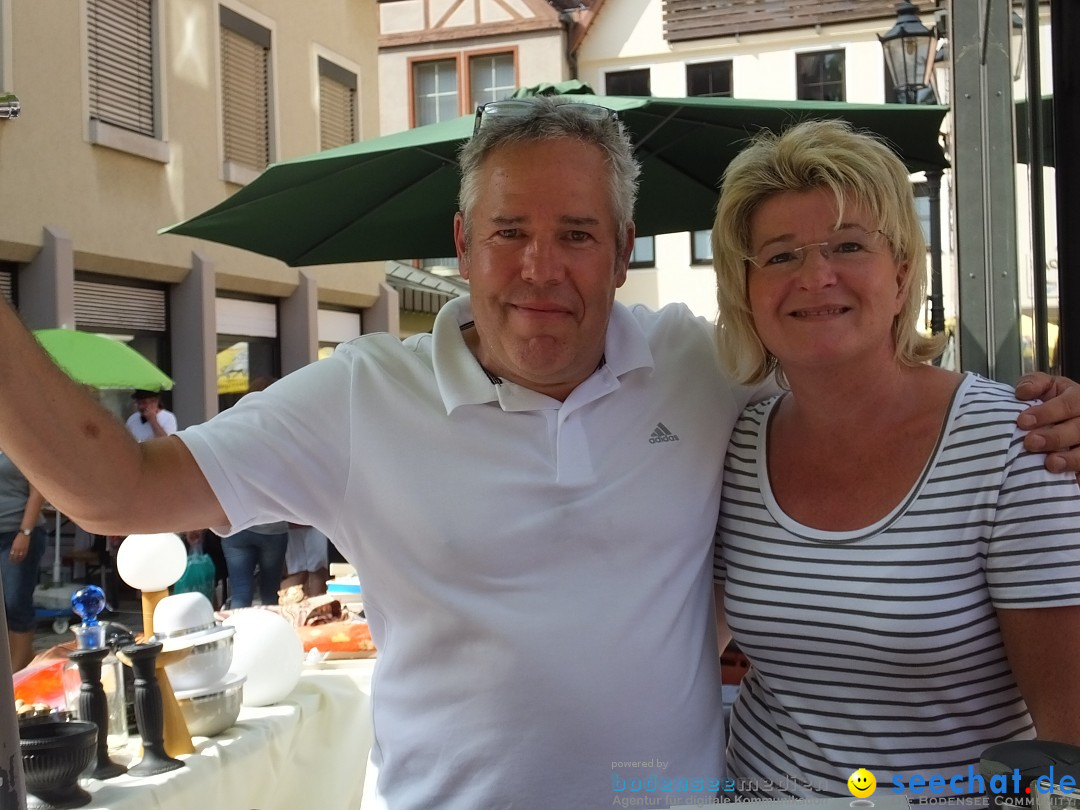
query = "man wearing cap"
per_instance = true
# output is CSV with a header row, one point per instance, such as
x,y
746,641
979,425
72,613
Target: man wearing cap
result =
x,y
150,420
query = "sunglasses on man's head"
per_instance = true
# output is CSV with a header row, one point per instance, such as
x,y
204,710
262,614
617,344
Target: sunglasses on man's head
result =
x,y
523,107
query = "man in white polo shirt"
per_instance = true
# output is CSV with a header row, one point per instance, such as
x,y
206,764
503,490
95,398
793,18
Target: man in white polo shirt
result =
x,y
150,420
536,568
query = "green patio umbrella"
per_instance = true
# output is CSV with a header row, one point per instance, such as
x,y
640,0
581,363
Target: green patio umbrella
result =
x,y
394,197
100,361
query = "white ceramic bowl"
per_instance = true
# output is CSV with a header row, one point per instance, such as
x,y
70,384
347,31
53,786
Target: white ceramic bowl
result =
x,y
211,710
206,663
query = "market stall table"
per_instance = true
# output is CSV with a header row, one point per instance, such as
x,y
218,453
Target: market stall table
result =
x,y
310,750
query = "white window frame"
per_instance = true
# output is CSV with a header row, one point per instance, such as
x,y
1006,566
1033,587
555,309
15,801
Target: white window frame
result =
x,y
414,96
233,171
7,63
330,74
500,91
151,145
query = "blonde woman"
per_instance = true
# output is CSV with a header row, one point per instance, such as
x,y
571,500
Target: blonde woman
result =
x,y
892,562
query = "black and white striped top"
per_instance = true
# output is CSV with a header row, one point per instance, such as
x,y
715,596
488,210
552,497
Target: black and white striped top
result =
x,y
880,648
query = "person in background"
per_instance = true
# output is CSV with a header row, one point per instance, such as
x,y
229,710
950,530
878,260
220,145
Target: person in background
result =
x,y
256,553
22,544
307,560
543,609
150,420
893,563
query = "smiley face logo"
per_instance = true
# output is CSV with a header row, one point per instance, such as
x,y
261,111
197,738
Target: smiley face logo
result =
x,y
862,783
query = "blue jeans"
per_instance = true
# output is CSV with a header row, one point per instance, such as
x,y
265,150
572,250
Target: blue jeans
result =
x,y
243,552
20,579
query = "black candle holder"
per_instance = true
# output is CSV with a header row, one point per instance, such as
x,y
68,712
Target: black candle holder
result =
x,y
149,714
94,707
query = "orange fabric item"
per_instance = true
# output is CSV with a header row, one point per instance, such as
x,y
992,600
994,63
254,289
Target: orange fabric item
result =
x,y
41,683
337,637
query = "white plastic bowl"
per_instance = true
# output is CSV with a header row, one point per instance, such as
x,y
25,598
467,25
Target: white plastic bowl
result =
x,y
183,613
211,710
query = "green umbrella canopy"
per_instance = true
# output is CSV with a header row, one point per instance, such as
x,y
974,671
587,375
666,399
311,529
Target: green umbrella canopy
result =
x,y
394,197
100,361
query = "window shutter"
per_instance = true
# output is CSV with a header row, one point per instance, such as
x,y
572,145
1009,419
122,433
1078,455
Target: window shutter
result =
x,y
114,306
121,69
245,77
337,106
7,285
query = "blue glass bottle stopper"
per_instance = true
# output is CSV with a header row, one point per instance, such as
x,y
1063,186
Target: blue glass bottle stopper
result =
x,y
88,602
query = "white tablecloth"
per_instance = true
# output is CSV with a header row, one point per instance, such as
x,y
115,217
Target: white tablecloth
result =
x,y
310,750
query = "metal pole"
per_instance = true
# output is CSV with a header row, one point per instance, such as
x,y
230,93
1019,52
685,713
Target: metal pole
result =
x,y
1036,161
984,189
1065,40
937,292
12,784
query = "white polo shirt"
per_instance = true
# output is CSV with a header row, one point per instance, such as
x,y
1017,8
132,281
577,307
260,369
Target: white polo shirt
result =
x,y
537,574
141,429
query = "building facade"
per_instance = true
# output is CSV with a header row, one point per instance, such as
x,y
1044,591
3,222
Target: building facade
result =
x,y
137,114
760,49
440,59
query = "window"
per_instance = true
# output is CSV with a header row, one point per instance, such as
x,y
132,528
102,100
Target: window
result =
x,y
435,91
491,77
120,38
6,83
922,208
247,343
628,83
241,360
644,254
337,105
709,79
138,311
821,76
701,247
7,281
245,93
706,79
439,89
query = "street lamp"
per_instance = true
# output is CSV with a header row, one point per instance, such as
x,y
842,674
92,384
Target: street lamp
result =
x,y
910,51
909,48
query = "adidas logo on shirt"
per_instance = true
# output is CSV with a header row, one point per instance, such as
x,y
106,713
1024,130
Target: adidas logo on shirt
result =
x,y
662,434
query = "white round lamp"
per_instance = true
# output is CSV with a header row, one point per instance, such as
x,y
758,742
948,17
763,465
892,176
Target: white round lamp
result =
x,y
151,563
268,652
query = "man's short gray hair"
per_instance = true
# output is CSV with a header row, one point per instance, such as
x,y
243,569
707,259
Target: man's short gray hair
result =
x,y
547,119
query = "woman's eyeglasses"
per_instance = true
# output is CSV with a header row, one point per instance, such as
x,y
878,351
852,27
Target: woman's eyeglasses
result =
x,y
523,107
849,247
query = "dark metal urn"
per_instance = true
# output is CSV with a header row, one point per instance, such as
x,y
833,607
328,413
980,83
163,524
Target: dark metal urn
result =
x,y
54,754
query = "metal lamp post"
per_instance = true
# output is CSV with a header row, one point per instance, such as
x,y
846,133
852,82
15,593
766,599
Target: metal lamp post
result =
x,y
910,50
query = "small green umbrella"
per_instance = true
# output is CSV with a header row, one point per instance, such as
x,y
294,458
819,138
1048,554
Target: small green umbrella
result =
x,y
394,197
100,361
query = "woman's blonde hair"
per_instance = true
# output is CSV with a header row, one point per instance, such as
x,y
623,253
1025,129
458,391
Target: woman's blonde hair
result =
x,y
859,170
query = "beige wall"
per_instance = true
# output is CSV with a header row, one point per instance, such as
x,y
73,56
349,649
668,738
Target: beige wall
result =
x,y
111,202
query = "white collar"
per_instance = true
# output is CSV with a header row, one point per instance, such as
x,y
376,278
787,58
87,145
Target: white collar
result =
x,y
462,380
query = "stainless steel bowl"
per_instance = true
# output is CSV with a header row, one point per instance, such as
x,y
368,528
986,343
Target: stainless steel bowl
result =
x,y
205,665
212,710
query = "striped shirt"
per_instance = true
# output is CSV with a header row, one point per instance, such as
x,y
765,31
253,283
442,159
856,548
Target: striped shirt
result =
x,y
880,647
